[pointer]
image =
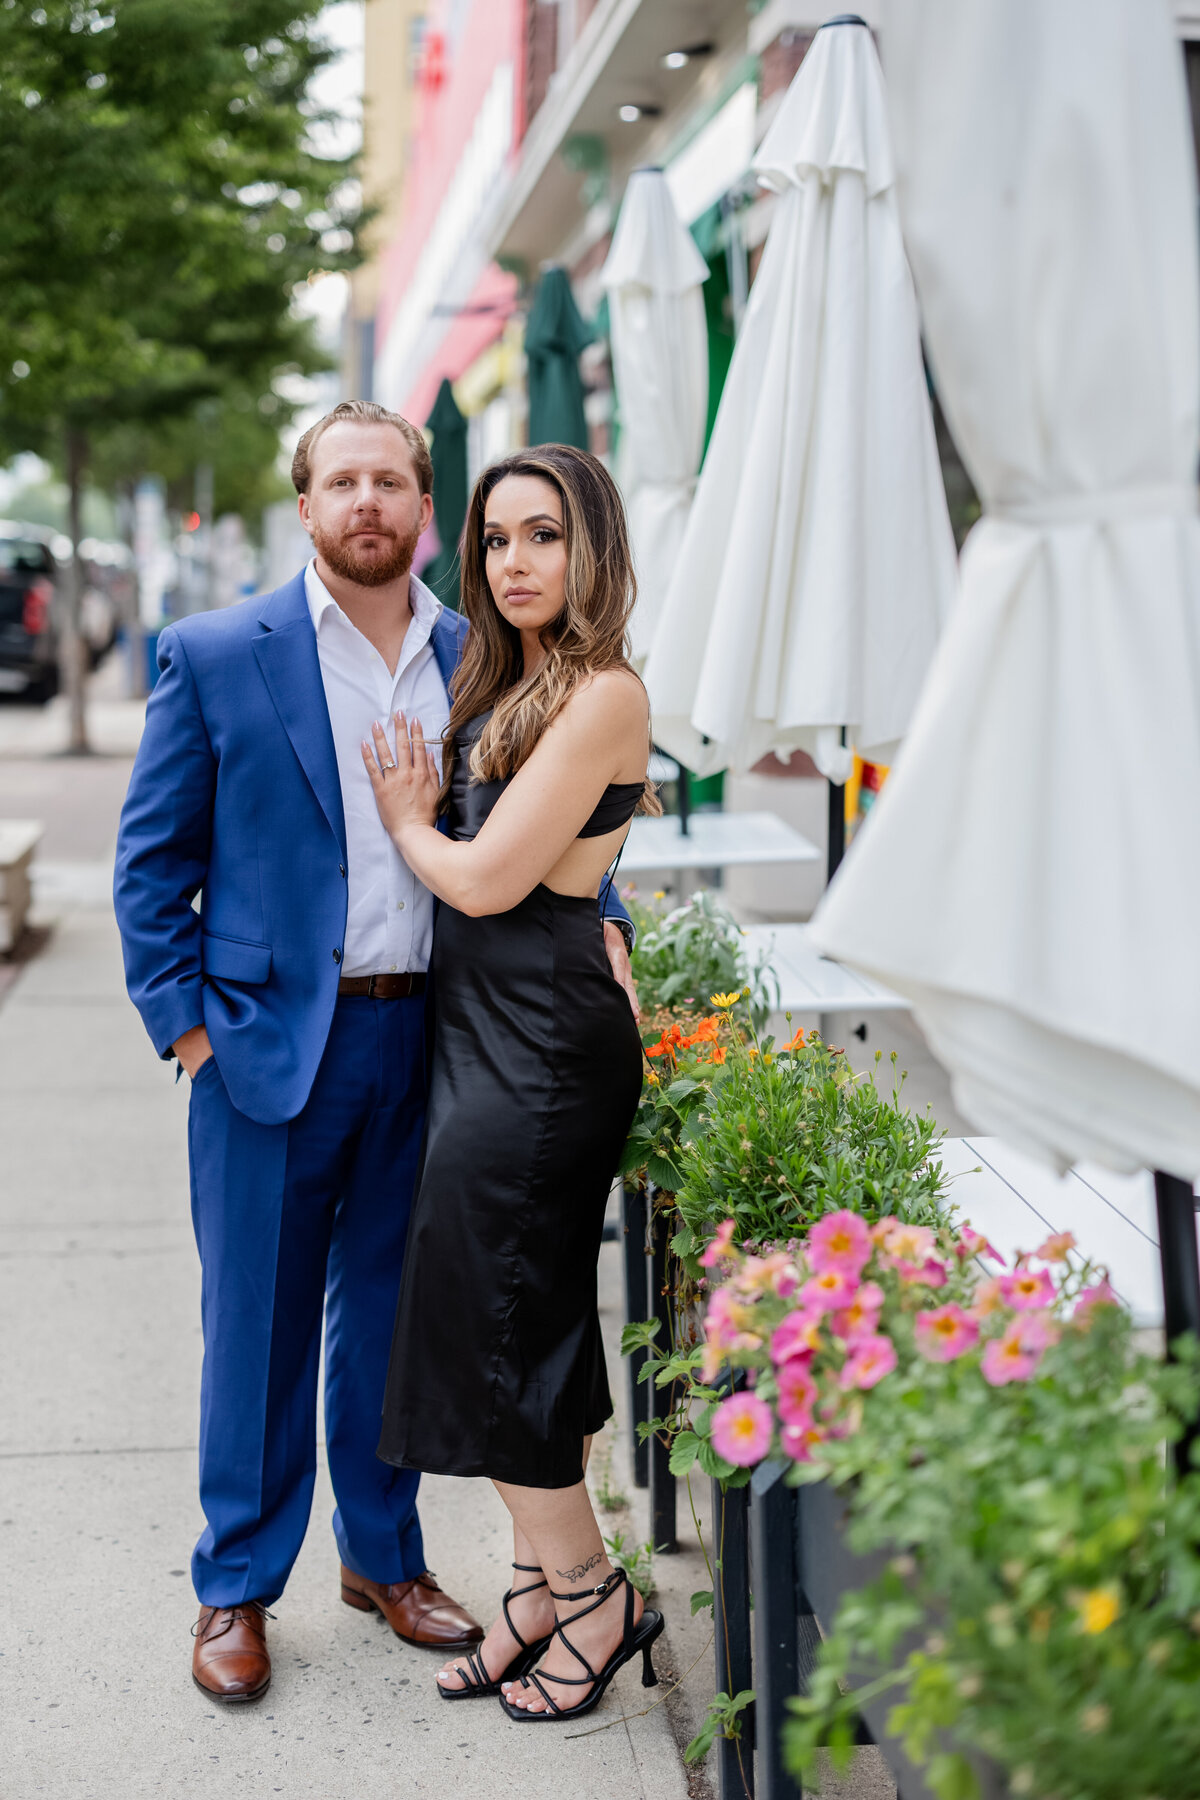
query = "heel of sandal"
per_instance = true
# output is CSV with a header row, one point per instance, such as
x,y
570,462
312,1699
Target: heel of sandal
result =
x,y
360,1602
649,1678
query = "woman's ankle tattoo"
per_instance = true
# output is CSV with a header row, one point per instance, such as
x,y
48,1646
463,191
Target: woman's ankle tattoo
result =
x,y
580,1569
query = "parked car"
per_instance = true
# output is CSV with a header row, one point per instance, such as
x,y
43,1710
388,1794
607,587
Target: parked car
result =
x,y
28,627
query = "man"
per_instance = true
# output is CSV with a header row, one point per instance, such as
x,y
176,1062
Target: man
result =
x,y
294,1001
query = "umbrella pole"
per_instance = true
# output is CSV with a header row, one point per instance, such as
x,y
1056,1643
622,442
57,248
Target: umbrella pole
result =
x,y
837,830
1181,1274
685,800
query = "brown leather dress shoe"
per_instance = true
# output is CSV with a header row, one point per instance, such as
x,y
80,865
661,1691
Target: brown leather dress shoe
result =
x,y
231,1662
417,1611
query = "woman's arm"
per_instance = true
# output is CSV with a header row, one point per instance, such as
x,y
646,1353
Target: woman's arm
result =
x,y
601,730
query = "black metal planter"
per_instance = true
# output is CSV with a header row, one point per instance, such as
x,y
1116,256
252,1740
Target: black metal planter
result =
x,y
786,1547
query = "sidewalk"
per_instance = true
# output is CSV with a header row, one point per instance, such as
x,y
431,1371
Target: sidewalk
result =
x,y
100,1343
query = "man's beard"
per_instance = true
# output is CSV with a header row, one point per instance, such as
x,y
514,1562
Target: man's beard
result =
x,y
346,559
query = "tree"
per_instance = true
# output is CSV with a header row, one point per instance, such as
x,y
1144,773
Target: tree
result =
x,y
162,201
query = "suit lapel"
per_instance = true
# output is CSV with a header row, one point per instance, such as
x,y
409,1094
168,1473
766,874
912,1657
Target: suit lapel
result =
x,y
287,656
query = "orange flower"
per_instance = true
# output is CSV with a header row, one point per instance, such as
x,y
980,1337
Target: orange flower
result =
x,y
717,1054
706,1031
664,1047
795,1043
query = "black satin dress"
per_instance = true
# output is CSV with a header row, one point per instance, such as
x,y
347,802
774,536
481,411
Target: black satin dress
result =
x,y
497,1363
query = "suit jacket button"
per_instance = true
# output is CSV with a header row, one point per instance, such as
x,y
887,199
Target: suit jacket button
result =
x,y
337,956
342,870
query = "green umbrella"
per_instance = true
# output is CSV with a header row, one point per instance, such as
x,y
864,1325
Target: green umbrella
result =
x,y
554,337
449,452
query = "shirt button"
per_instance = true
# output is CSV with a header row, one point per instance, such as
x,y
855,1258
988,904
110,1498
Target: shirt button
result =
x,y
337,956
399,906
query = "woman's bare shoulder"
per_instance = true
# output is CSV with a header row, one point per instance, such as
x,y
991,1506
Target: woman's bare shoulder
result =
x,y
609,698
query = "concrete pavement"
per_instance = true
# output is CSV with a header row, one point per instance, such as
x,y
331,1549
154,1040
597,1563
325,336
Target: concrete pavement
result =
x,y
100,1348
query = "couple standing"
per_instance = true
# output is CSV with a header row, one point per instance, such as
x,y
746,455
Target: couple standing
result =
x,y
290,776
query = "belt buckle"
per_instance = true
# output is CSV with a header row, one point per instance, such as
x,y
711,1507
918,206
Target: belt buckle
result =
x,y
371,980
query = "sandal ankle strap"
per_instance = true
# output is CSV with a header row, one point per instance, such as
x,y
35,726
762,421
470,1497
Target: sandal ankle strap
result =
x,y
611,1581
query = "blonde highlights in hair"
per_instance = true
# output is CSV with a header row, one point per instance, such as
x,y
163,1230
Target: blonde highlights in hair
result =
x,y
589,634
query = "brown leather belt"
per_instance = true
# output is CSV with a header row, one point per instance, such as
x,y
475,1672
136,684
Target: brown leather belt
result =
x,y
382,987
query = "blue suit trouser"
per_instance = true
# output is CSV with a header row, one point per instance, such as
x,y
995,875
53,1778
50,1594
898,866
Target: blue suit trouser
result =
x,y
293,1221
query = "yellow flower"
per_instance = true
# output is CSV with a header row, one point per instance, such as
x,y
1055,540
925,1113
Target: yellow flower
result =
x,y
651,1078
660,893
1098,1608
723,1001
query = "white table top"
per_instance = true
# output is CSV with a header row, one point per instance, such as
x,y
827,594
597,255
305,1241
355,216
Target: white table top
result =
x,y
810,982
1017,1202
715,840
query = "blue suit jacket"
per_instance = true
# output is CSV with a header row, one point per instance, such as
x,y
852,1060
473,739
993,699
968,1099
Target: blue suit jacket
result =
x,y
235,796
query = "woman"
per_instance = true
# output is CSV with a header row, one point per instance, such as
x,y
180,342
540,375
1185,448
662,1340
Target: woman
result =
x,y
497,1362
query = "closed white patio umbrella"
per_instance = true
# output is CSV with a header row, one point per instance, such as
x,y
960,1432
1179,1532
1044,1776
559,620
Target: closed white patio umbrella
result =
x,y
654,274
1030,877
818,564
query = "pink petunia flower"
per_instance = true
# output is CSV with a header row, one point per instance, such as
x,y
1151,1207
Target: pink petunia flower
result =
x,y
973,1243
1057,1247
988,1298
1099,1294
1027,1290
1016,1355
720,1327
828,1291
861,1318
799,1335
741,1429
946,1333
797,1391
879,1230
840,1241
719,1248
868,1362
909,1243
799,1441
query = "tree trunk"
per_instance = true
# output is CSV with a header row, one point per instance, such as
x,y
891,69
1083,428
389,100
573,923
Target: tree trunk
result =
x,y
74,657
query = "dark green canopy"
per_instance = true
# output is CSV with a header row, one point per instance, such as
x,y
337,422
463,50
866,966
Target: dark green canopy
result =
x,y
554,336
449,452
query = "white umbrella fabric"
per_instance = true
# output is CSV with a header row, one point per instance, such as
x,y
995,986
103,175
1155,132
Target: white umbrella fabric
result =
x,y
1030,876
654,274
818,564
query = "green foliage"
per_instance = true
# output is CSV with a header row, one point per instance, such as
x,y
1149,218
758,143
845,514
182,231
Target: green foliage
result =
x,y
697,950
161,202
637,1560
784,1137
721,1720
1045,1611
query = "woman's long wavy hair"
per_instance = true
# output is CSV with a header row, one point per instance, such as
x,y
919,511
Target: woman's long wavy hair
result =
x,y
589,634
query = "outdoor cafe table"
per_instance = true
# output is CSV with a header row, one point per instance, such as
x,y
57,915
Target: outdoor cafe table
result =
x,y
812,983
714,840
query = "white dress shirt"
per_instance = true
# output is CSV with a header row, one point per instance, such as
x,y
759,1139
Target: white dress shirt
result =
x,y
389,919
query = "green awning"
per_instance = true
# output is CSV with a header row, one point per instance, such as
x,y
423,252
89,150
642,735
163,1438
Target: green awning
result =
x,y
554,336
449,452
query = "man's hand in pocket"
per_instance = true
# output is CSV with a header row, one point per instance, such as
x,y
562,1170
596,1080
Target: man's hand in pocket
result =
x,y
193,1049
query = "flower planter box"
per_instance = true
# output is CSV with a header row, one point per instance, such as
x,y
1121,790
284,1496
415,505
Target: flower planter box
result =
x,y
787,1547
826,1569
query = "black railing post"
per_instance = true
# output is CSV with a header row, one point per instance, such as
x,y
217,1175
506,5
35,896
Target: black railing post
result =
x,y
1181,1275
662,1482
731,1634
636,1291
775,1625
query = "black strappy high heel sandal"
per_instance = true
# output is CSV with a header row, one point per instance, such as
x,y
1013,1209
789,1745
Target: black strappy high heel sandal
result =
x,y
477,1684
640,1637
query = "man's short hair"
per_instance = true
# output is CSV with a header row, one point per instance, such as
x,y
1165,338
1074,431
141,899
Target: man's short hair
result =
x,y
362,412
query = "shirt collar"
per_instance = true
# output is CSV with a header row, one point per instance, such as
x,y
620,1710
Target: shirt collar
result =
x,y
426,607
